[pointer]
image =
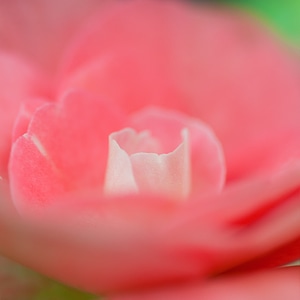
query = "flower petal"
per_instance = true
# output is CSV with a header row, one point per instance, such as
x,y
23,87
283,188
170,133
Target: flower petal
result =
x,y
120,244
207,168
64,150
210,63
271,285
142,172
18,83
25,114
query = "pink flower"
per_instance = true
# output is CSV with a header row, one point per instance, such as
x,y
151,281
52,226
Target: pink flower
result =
x,y
153,147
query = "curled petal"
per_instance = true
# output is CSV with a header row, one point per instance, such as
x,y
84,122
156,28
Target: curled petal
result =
x,y
19,82
143,172
25,114
63,151
207,165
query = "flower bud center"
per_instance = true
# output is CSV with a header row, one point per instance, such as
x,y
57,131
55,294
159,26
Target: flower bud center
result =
x,y
137,164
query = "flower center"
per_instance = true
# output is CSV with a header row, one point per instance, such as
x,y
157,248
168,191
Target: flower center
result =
x,y
137,163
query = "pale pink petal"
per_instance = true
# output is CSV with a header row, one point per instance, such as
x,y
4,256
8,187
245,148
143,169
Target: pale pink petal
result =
x,y
26,111
64,150
270,285
168,174
206,155
119,177
210,63
18,83
145,171
103,245
41,29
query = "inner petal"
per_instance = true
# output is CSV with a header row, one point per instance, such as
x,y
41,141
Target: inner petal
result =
x,y
207,163
137,165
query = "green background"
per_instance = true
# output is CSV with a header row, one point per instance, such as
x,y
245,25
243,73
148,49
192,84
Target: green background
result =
x,y
282,15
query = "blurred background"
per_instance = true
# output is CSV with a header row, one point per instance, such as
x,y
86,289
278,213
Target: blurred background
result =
x,y
19,283
282,16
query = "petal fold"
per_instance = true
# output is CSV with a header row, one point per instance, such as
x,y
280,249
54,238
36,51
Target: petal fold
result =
x,y
270,285
63,151
122,244
19,82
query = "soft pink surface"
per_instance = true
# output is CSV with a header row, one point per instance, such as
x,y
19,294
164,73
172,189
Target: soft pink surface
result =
x,y
25,113
19,81
64,151
275,285
39,30
214,65
103,245
147,171
209,64
208,170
